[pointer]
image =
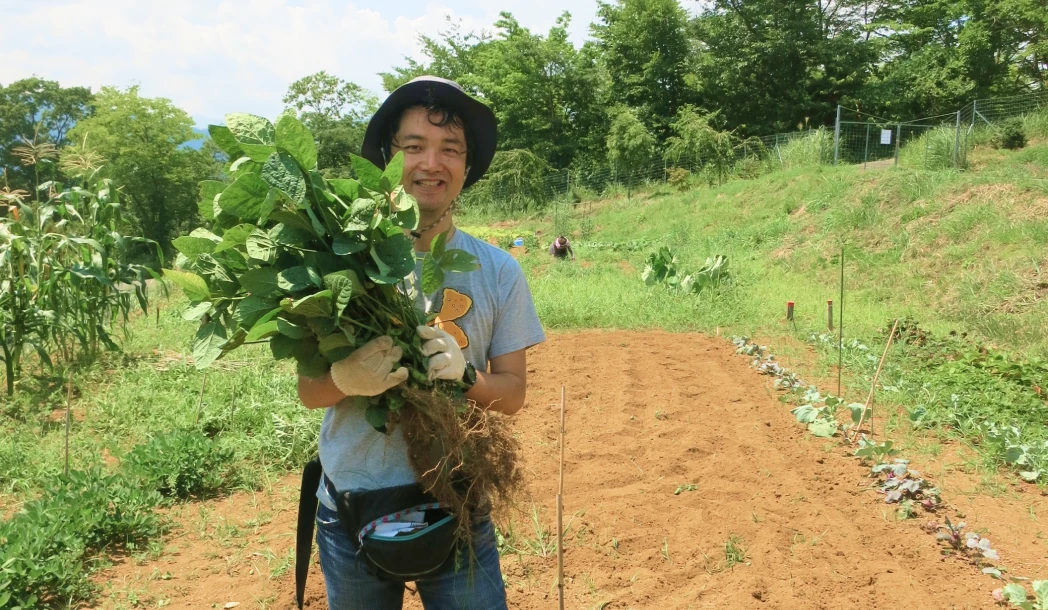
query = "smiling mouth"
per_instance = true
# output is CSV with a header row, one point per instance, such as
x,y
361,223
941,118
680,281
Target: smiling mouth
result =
x,y
430,183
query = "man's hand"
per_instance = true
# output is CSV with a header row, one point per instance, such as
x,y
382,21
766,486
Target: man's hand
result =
x,y
368,371
446,359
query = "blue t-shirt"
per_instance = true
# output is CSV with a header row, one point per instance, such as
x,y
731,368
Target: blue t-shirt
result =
x,y
489,312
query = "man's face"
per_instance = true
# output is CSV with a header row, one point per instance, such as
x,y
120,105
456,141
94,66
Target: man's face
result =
x,y
434,159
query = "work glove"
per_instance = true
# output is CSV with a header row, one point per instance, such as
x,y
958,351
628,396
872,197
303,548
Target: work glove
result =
x,y
446,359
368,371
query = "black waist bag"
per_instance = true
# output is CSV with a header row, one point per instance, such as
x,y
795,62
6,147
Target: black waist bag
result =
x,y
402,557
399,558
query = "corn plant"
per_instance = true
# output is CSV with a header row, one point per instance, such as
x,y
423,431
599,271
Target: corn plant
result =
x,y
66,275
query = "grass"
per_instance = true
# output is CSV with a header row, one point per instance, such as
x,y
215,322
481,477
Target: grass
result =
x,y
963,252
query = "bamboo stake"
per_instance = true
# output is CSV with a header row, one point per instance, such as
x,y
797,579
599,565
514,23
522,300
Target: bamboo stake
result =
x,y
869,399
560,507
200,399
69,401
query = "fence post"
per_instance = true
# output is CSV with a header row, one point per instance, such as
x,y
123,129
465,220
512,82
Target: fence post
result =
x,y
837,136
898,134
866,152
957,141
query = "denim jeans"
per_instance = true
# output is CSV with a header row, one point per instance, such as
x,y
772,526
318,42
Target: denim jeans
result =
x,y
351,587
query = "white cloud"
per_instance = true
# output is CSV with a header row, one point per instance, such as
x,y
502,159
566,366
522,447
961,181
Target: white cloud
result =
x,y
211,58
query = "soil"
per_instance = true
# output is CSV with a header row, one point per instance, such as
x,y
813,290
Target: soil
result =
x,y
647,414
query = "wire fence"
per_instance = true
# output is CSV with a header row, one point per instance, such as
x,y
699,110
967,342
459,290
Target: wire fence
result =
x,y
937,142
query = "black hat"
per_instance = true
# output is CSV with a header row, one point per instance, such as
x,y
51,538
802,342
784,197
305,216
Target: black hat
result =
x,y
479,119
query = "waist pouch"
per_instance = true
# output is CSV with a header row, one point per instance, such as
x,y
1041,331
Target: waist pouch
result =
x,y
402,556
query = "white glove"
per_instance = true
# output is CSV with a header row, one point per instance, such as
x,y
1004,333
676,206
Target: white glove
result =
x,y
368,371
447,361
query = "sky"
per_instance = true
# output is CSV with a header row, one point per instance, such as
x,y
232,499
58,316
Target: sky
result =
x,y
210,58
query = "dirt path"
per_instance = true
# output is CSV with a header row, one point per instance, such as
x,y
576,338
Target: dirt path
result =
x,y
647,413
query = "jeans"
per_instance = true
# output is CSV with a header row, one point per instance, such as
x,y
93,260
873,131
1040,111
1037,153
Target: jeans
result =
x,y
351,587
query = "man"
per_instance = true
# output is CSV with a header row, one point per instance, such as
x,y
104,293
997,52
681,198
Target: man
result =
x,y
486,322
561,248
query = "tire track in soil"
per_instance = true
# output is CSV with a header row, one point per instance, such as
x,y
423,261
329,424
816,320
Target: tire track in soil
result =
x,y
815,535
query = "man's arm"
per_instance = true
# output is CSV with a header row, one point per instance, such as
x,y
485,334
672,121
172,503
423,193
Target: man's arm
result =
x,y
318,392
504,388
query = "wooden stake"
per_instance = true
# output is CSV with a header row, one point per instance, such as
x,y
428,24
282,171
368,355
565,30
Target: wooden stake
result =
x,y
69,402
200,399
869,399
560,507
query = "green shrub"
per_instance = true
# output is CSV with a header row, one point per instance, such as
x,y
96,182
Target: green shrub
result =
x,y
47,548
1036,124
1010,134
749,168
678,178
182,464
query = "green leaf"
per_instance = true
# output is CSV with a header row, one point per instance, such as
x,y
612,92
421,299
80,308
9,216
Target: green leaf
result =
x,y
438,245
823,427
197,311
349,243
193,246
313,367
252,308
208,344
347,190
377,417
805,414
261,247
224,139
294,279
368,175
458,261
1040,590
263,330
290,329
407,219
333,342
432,276
250,128
1014,593
235,237
394,255
209,189
1030,476
295,138
260,282
393,173
297,220
856,412
281,172
322,327
402,200
282,346
245,199
313,306
191,284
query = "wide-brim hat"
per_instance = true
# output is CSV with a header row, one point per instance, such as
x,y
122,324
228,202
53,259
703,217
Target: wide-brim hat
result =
x,y
479,119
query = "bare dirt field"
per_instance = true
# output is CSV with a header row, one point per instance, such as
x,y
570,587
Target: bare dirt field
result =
x,y
649,414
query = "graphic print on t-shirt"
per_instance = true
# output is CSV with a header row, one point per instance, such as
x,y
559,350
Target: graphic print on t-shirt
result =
x,y
454,305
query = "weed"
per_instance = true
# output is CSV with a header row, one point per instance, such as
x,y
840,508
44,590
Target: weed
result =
x,y
685,487
734,552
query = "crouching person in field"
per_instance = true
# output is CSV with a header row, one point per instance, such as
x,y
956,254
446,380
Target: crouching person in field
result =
x,y
561,248
486,320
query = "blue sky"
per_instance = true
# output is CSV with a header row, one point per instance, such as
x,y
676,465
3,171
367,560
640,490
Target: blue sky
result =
x,y
212,57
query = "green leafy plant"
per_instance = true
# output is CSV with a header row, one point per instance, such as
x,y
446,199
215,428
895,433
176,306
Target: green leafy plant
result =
x,y
182,463
1016,596
1010,134
316,268
662,268
66,275
48,547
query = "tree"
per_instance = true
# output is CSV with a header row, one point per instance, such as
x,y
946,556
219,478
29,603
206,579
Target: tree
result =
x,y
544,94
337,112
645,49
37,114
452,55
770,65
698,139
143,143
630,144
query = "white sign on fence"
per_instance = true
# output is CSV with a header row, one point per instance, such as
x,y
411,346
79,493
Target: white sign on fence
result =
x,y
886,136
